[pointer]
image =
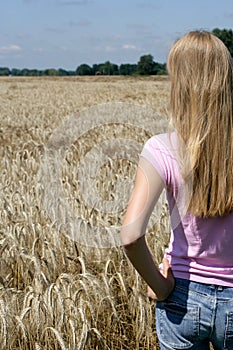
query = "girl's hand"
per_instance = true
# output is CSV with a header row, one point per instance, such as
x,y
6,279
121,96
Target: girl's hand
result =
x,y
168,285
151,294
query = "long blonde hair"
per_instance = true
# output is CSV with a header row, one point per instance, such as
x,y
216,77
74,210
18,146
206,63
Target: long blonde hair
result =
x,y
201,102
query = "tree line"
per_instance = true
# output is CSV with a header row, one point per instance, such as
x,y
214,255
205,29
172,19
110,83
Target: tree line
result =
x,y
145,66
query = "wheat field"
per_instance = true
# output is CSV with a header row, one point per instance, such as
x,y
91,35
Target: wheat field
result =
x,y
56,291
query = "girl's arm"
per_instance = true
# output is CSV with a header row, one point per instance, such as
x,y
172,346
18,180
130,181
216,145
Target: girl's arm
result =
x,y
147,189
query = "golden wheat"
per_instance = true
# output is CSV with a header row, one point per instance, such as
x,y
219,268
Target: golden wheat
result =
x,y
55,292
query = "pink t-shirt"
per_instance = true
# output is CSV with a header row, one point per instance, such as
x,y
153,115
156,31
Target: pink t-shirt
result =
x,y
200,249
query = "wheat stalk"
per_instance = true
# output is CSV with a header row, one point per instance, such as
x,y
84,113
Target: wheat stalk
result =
x,y
54,292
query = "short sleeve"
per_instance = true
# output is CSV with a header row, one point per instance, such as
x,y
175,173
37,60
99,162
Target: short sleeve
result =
x,y
151,153
161,151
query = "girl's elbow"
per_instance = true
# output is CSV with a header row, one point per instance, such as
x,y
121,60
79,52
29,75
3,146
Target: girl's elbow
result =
x,y
126,241
129,239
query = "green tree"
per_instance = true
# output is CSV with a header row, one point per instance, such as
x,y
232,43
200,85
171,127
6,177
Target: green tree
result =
x,y
96,68
25,72
62,72
15,72
84,69
160,68
226,35
50,72
33,73
127,69
4,71
146,65
108,68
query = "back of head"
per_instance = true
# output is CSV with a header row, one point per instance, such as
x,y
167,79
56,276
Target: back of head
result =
x,y
199,54
200,68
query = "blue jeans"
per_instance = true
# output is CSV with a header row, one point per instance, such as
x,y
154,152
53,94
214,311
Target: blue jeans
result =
x,y
194,315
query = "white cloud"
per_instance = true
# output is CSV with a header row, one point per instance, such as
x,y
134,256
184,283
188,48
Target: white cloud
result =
x,y
129,47
110,48
10,49
39,49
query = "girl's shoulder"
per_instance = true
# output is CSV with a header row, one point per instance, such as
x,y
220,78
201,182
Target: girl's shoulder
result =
x,y
166,141
161,151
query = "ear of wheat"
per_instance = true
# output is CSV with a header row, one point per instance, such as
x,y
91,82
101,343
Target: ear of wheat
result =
x,y
56,293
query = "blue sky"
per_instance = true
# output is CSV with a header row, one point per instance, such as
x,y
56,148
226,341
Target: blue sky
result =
x,y
65,33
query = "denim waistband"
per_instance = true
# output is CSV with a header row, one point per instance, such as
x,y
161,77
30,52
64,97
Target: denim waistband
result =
x,y
180,282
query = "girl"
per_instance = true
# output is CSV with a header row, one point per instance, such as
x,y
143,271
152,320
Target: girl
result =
x,y
194,285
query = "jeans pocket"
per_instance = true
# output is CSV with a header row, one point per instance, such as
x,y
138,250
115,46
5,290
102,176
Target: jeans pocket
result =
x,y
228,339
177,325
